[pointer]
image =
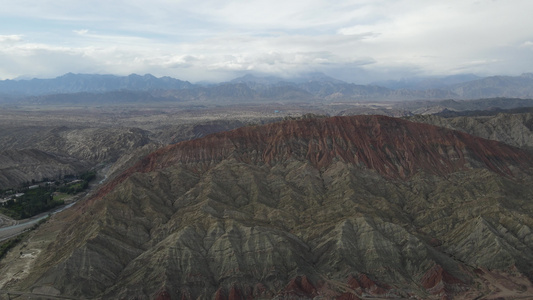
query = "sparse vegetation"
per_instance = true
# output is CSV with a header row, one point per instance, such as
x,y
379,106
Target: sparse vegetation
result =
x,y
88,176
41,199
33,202
11,243
74,188
58,196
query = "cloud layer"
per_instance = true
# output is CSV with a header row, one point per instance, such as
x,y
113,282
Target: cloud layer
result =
x,y
358,41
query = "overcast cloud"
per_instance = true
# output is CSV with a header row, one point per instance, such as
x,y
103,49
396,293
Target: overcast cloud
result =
x,y
358,41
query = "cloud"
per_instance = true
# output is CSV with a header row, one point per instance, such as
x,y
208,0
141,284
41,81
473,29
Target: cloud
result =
x,y
81,31
357,39
10,39
182,61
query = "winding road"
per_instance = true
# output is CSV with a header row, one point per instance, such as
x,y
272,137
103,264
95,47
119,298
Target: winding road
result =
x,y
23,225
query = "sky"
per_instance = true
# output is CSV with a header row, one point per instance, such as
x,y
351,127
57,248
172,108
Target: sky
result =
x,y
358,41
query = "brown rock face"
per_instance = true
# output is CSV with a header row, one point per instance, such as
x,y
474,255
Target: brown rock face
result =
x,y
439,282
299,287
395,148
163,295
337,208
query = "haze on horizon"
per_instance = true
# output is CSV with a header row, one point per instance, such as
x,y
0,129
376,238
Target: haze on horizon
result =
x,y
357,41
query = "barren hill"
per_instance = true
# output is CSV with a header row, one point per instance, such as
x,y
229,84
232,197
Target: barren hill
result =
x,y
513,129
341,208
20,166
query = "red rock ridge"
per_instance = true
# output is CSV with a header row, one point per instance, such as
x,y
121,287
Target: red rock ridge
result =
x,y
299,287
439,282
395,148
162,295
363,283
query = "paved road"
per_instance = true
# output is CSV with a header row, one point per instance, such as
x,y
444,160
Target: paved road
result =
x,y
23,225
15,294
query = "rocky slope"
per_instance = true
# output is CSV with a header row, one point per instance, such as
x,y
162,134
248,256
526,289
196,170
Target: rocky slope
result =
x,y
91,143
426,107
513,129
496,86
37,152
337,208
20,166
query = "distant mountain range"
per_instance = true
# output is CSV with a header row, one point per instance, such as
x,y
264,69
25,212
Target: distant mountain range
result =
x,y
425,83
92,83
250,88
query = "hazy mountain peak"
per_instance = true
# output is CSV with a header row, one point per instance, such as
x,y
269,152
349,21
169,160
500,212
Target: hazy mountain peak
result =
x,y
317,76
424,83
250,78
92,83
302,78
306,86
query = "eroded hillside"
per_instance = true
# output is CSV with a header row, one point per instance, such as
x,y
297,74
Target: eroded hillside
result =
x,y
513,129
342,208
42,144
